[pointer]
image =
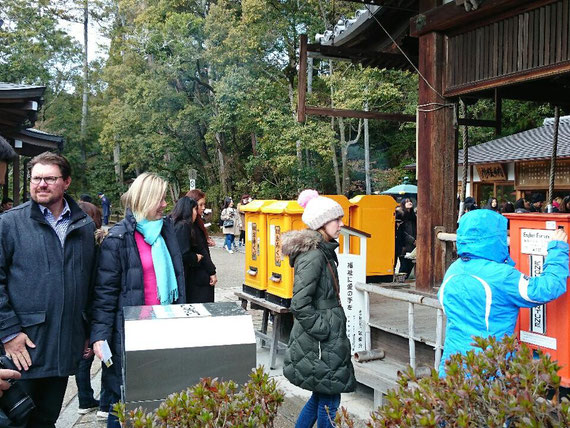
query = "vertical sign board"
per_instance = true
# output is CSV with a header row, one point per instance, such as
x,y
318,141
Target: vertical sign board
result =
x,y
352,269
534,243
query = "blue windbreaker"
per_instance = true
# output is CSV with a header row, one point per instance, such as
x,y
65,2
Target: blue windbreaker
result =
x,y
482,292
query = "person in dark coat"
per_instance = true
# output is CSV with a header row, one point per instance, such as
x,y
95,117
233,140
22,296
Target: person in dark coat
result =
x,y
47,255
492,204
536,201
205,279
522,206
106,207
139,264
406,235
318,356
196,259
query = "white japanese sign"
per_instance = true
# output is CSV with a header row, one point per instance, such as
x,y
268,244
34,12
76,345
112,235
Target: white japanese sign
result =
x,y
538,339
538,314
535,241
352,269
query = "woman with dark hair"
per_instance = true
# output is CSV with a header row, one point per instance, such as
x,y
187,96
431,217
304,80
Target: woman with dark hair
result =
x,y
231,223
407,235
183,217
492,204
204,274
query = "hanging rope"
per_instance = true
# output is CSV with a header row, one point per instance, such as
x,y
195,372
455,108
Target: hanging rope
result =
x,y
465,138
553,157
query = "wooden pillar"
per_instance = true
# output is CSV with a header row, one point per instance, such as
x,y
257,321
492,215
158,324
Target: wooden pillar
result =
x,y
16,180
25,183
6,182
436,164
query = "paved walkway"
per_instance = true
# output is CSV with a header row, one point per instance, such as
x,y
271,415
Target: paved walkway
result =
x,y
230,269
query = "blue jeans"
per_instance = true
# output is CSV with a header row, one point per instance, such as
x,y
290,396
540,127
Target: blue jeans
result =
x,y
314,411
83,380
229,242
111,381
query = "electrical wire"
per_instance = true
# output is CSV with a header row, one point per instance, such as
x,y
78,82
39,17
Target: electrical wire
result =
x,y
404,53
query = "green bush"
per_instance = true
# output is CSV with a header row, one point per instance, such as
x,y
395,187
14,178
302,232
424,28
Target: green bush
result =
x,y
213,404
499,385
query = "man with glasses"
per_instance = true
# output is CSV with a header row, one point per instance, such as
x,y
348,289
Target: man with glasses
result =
x,y
47,253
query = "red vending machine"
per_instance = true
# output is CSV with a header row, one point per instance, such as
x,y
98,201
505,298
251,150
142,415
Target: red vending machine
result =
x,y
546,327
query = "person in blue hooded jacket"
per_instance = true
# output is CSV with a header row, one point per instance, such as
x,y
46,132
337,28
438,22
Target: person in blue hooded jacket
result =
x,y
482,291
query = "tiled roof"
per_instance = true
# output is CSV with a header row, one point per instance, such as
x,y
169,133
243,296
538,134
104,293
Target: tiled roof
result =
x,y
534,144
11,90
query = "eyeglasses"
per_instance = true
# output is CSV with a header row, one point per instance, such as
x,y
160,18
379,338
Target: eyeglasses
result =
x,y
47,180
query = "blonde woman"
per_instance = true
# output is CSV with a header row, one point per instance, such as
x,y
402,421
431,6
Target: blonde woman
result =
x,y
140,264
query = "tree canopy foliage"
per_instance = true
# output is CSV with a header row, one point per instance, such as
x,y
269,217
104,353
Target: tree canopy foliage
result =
x,y
211,85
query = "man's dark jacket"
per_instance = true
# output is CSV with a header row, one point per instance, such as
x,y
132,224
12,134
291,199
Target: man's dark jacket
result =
x,y
119,280
44,288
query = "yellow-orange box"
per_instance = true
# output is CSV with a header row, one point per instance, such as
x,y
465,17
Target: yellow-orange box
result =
x,y
376,215
256,278
282,216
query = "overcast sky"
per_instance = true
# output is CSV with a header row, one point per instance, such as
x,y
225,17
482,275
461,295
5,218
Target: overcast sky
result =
x,y
95,39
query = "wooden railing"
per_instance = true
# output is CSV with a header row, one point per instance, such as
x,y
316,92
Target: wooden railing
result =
x,y
412,299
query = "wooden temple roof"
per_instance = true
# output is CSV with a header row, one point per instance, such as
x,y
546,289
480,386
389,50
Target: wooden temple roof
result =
x,y
360,38
517,47
19,106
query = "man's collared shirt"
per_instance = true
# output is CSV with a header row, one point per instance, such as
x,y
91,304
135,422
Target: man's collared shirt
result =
x,y
60,224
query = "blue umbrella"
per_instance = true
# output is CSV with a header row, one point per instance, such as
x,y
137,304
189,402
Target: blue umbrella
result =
x,y
401,189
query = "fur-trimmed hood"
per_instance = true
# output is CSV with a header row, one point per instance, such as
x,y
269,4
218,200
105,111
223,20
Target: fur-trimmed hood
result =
x,y
300,241
297,242
100,235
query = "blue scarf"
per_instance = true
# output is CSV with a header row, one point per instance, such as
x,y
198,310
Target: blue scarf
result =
x,y
166,283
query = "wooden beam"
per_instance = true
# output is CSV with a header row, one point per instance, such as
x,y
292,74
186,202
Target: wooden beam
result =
x,y
477,122
520,77
317,50
302,80
360,114
450,15
372,2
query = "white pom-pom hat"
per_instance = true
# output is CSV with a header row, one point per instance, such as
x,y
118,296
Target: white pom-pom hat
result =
x,y
319,210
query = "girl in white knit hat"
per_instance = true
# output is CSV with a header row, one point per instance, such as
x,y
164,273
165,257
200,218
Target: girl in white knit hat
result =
x,y
318,355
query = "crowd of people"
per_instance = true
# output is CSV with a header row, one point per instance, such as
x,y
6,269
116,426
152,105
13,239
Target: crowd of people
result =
x,y
66,308
56,315
533,204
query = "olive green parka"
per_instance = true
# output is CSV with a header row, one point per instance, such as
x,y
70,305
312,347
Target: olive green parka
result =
x,y
318,355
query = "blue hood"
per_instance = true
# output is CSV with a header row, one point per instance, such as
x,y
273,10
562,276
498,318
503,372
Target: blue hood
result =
x,y
482,234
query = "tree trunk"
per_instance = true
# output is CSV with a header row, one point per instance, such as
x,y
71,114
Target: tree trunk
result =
x,y
253,144
344,145
117,163
222,159
367,158
333,146
83,132
343,155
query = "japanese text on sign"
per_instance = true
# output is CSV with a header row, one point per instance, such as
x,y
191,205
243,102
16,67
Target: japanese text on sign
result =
x,y
535,241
